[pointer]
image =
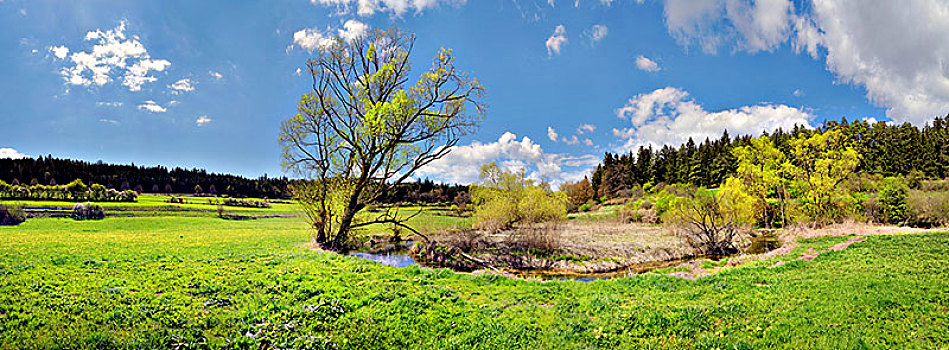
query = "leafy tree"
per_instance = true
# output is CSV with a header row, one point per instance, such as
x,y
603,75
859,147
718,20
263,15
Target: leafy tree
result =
x,y
760,170
892,197
364,129
198,189
506,198
712,222
77,189
819,164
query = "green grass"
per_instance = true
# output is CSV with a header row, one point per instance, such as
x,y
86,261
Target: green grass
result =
x,y
202,282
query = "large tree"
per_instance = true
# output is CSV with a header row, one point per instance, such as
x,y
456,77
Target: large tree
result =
x,y
364,128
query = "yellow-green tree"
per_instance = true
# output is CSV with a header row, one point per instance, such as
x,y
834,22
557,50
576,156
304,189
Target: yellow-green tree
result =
x,y
712,222
761,173
367,126
504,198
819,165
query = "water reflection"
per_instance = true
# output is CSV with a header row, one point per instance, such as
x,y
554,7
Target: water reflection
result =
x,y
397,259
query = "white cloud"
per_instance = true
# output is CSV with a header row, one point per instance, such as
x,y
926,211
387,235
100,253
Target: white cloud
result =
x,y
798,93
552,134
299,72
646,64
11,153
759,25
588,142
572,140
60,51
202,121
312,39
550,2
669,117
215,75
109,104
556,40
463,164
895,49
111,53
598,32
183,85
585,128
152,106
110,121
393,7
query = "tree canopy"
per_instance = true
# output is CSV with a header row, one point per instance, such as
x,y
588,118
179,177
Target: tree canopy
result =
x,y
364,128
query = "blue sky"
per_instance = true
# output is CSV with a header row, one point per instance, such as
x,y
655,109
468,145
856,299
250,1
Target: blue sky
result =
x,y
206,84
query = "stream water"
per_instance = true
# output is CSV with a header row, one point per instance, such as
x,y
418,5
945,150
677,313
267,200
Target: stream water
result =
x,y
397,255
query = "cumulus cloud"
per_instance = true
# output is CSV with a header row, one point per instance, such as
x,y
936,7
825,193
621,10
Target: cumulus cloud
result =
x,y
215,75
798,93
183,85
393,7
669,116
598,32
11,153
556,40
202,121
60,51
585,128
552,134
113,54
902,64
463,164
759,25
646,64
109,104
895,49
312,39
152,106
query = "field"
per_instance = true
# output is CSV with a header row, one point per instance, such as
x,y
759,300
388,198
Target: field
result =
x,y
197,281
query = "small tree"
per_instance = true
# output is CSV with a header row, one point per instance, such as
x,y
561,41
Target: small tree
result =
x,y
77,189
198,189
168,188
712,222
892,197
362,129
579,192
504,198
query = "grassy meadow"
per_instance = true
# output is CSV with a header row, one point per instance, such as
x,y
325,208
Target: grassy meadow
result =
x,y
203,282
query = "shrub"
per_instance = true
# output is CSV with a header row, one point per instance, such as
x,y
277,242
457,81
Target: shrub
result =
x,y
11,215
928,209
892,199
872,210
249,203
87,211
505,198
712,222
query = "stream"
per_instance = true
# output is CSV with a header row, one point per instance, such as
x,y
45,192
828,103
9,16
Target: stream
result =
x,y
397,255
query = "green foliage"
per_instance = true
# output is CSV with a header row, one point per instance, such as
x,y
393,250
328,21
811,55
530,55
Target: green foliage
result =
x,y
892,199
505,198
364,129
712,222
819,165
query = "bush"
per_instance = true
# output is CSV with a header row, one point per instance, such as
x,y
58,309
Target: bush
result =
x,y
249,203
505,198
88,211
928,209
892,198
712,222
11,215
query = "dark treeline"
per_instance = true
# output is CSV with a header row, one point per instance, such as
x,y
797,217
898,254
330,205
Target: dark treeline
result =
x,y
885,149
54,171
157,179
